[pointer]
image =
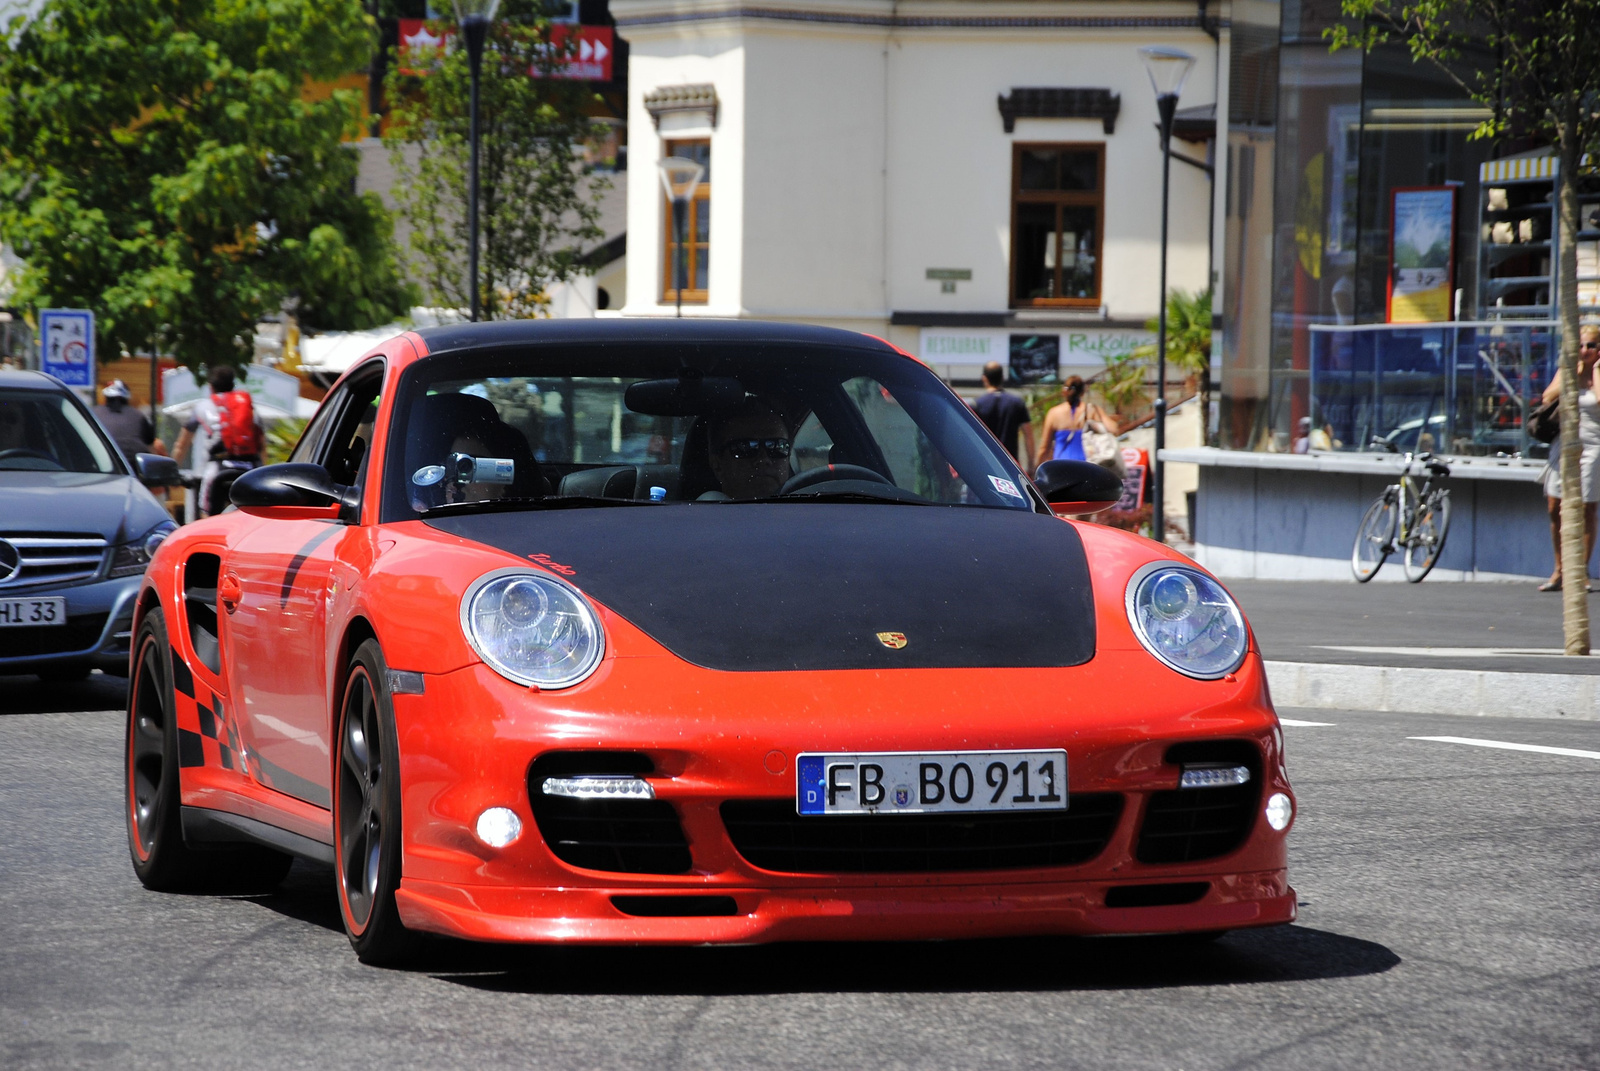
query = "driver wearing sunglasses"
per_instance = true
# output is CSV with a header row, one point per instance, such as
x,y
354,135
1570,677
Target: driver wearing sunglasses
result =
x,y
750,450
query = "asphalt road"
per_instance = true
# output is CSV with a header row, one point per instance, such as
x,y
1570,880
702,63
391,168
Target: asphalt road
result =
x,y
1450,918
1399,624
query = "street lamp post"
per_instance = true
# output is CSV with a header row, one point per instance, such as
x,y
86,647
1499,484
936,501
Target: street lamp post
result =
x,y
474,17
1168,68
680,177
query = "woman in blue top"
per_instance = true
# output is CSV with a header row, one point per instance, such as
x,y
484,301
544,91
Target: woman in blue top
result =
x,y
1064,425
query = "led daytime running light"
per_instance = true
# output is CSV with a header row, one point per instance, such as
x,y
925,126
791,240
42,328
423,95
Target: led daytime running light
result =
x,y
600,787
1213,776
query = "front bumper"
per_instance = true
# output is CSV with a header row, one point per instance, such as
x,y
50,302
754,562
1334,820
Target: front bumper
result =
x,y
98,631
468,743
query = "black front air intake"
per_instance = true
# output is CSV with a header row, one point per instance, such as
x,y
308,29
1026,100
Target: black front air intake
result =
x,y
621,836
770,835
1189,824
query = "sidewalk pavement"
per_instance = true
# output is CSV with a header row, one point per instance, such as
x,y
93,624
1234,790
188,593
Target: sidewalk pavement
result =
x,y
1432,648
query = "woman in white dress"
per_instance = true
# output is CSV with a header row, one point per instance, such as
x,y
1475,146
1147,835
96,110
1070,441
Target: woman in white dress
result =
x,y
1589,440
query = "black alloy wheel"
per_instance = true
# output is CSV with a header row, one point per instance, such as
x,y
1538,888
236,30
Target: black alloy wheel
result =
x,y
367,814
161,858
155,830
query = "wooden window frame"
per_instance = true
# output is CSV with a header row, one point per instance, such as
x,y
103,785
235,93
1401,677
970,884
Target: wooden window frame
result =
x,y
700,202
1097,198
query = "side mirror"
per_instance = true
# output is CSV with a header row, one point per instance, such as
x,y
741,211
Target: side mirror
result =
x,y
291,492
153,470
1077,488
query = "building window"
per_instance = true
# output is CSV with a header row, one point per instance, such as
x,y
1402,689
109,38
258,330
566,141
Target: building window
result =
x,y
1057,215
696,229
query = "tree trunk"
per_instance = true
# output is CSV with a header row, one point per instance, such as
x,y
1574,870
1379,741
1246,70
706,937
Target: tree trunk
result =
x,y
1574,564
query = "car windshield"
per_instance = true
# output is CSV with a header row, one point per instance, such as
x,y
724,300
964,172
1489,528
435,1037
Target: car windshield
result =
x,y
624,424
43,431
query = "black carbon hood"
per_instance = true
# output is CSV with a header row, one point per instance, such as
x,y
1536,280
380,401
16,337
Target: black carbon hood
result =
x,y
808,586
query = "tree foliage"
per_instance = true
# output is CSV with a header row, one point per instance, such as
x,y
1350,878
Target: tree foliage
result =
x,y
162,163
1536,65
537,210
1188,333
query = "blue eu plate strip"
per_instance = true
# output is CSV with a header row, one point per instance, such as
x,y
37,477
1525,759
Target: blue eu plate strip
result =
x,y
809,784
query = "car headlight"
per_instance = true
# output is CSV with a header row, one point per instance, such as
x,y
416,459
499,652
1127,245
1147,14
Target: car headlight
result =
x,y
1184,618
532,628
130,559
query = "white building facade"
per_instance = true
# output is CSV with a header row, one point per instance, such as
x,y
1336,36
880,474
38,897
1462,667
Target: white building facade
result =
x,y
972,179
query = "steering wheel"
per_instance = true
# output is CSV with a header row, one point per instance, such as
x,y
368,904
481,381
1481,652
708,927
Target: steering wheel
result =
x,y
22,451
829,473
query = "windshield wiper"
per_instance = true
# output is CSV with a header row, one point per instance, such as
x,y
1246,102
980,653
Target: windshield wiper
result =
x,y
508,505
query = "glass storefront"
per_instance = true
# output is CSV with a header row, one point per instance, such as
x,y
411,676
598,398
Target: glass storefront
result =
x,y
1310,199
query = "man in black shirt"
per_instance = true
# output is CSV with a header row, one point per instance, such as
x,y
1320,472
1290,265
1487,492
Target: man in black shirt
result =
x,y
128,427
1005,414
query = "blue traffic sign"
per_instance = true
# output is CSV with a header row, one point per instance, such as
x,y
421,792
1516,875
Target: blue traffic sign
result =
x,y
66,346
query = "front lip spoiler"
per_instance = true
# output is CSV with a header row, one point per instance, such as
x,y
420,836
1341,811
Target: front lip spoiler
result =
x,y
830,913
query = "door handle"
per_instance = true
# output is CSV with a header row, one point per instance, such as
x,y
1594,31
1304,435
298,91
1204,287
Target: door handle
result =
x,y
229,591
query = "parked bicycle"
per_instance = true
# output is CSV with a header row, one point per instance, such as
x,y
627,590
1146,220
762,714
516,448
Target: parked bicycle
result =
x,y
1411,515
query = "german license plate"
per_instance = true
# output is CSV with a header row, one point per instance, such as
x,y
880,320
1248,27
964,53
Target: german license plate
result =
x,y
32,613
913,782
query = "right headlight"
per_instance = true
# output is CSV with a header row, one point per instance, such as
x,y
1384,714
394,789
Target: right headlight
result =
x,y
1185,619
532,628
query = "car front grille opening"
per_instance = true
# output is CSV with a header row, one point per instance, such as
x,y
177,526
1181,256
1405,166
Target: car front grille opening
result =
x,y
80,633
1168,895
55,557
1190,824
676,907
770,835
622,836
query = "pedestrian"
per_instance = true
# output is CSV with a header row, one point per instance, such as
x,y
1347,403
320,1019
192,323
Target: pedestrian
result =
x,y
127,425
1589,443
1064,425
1005,414
226,434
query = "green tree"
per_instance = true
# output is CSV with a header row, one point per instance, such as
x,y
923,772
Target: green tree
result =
x,y
1534,64
537,211
162,163
1188,340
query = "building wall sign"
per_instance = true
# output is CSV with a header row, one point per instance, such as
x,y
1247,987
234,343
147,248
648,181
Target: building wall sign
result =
x,y
1077,350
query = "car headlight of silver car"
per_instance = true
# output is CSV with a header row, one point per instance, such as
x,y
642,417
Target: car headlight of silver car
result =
x,y
532,628
1184,618
130,559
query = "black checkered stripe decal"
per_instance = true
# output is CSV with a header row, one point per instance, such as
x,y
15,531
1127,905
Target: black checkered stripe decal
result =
x,y
207,736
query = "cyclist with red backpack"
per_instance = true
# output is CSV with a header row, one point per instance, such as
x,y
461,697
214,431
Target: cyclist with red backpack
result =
x,y
229,438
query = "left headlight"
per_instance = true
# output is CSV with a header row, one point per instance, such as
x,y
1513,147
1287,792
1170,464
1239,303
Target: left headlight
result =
x,y
532,628
130,559
1185,619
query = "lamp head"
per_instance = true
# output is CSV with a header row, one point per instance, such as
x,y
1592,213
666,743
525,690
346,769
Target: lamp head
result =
x,y
1168,68
476,10
680,177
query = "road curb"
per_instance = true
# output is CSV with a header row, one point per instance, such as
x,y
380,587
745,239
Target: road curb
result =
x,y
1486,693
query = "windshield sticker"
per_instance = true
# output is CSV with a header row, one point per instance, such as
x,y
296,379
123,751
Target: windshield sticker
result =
x,y
1005,487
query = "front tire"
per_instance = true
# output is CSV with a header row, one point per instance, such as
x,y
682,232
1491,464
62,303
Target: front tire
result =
x,y
366,814
1427,537
161,859
1375,537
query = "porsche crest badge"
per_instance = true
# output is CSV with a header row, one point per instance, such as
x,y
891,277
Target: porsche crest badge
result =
x,y
892,640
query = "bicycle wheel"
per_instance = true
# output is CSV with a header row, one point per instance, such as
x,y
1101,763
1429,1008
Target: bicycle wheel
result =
x,y
1375,537
1425,541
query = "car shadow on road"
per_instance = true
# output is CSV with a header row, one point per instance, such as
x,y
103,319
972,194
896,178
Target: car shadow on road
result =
x,y
1044,964
30,695
1276,954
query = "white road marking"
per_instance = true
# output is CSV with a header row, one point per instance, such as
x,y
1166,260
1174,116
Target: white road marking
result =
x,y
1297,721
1454,652
1540,748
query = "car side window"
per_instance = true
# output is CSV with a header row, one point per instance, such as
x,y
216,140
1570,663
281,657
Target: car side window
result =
x,y
344,453
312,436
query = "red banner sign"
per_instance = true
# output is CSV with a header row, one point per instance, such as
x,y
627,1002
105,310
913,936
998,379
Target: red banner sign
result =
x,y
589,59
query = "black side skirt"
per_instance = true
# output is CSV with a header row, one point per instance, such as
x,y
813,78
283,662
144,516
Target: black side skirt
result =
x,y
204,827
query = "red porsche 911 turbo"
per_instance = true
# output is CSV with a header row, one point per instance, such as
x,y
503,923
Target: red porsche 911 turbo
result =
x,y
667,632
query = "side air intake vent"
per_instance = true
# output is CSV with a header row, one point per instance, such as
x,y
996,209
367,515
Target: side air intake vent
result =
x,y
623,836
